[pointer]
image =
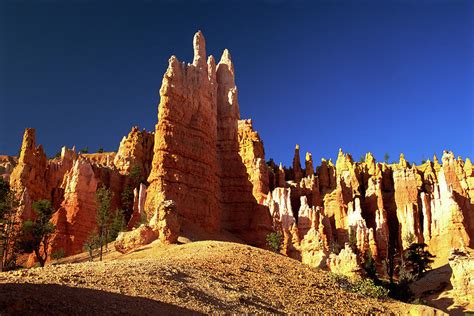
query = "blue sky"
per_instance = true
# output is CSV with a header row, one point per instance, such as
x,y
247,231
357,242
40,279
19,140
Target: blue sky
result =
x,y
382,76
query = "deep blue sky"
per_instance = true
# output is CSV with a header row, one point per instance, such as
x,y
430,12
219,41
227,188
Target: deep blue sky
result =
x,y
383,76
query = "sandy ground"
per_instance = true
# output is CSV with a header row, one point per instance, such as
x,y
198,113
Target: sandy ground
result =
x,y
193,278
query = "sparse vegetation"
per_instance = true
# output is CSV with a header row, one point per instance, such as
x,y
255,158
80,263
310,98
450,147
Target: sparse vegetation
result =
x,y
36,232
127,197
135,175
368,288
103,198
334,247
365,287
8,208
58,254
418,259
274,241
100,150
84,150
117,224
143,219
401,290
369,266
386,157
353,239
91,244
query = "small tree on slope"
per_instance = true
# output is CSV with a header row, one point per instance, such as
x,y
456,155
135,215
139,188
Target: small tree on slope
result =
x,y
8,209
103,197
36,232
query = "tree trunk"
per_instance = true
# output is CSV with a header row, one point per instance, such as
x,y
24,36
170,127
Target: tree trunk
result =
x,y
2,246
101,247
40,259
1,257
106,239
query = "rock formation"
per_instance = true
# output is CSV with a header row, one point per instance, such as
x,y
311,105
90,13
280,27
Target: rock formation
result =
x,y
138,214
100,159
462,277
28,177
76,218
184,167
7,164
297,171
253,156
165,222
128,241
135,150
376,208
164,225
344,263
196,160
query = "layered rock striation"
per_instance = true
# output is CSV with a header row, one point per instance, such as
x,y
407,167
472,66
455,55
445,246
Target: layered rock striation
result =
x,y
196,161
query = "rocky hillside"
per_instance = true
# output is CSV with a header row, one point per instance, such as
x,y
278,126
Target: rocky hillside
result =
x,y
198,277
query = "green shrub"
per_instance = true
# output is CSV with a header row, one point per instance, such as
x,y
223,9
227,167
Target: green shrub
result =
x,y
365,287
341,281
274,241
370,266
58,254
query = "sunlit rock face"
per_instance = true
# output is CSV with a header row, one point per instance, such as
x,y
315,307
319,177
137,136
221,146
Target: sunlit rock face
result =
x,y
196,160
76,218
461,263
69,181
185,167
253,156
7,164
135,151
27,179
377,208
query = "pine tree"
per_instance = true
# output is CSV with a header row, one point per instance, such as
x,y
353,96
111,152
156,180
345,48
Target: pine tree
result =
x,y
370,267
117,224
418,258
91,244
36,232
103,197
8,209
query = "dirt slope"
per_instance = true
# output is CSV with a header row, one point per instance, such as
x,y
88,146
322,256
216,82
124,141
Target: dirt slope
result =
x,y
198,277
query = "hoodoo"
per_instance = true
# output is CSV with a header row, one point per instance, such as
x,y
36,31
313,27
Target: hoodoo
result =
x,y
196,160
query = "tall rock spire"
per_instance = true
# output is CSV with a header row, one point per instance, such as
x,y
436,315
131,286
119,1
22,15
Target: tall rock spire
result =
x,y
297,164
227,103
309,164
196,161
187,115
199,44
